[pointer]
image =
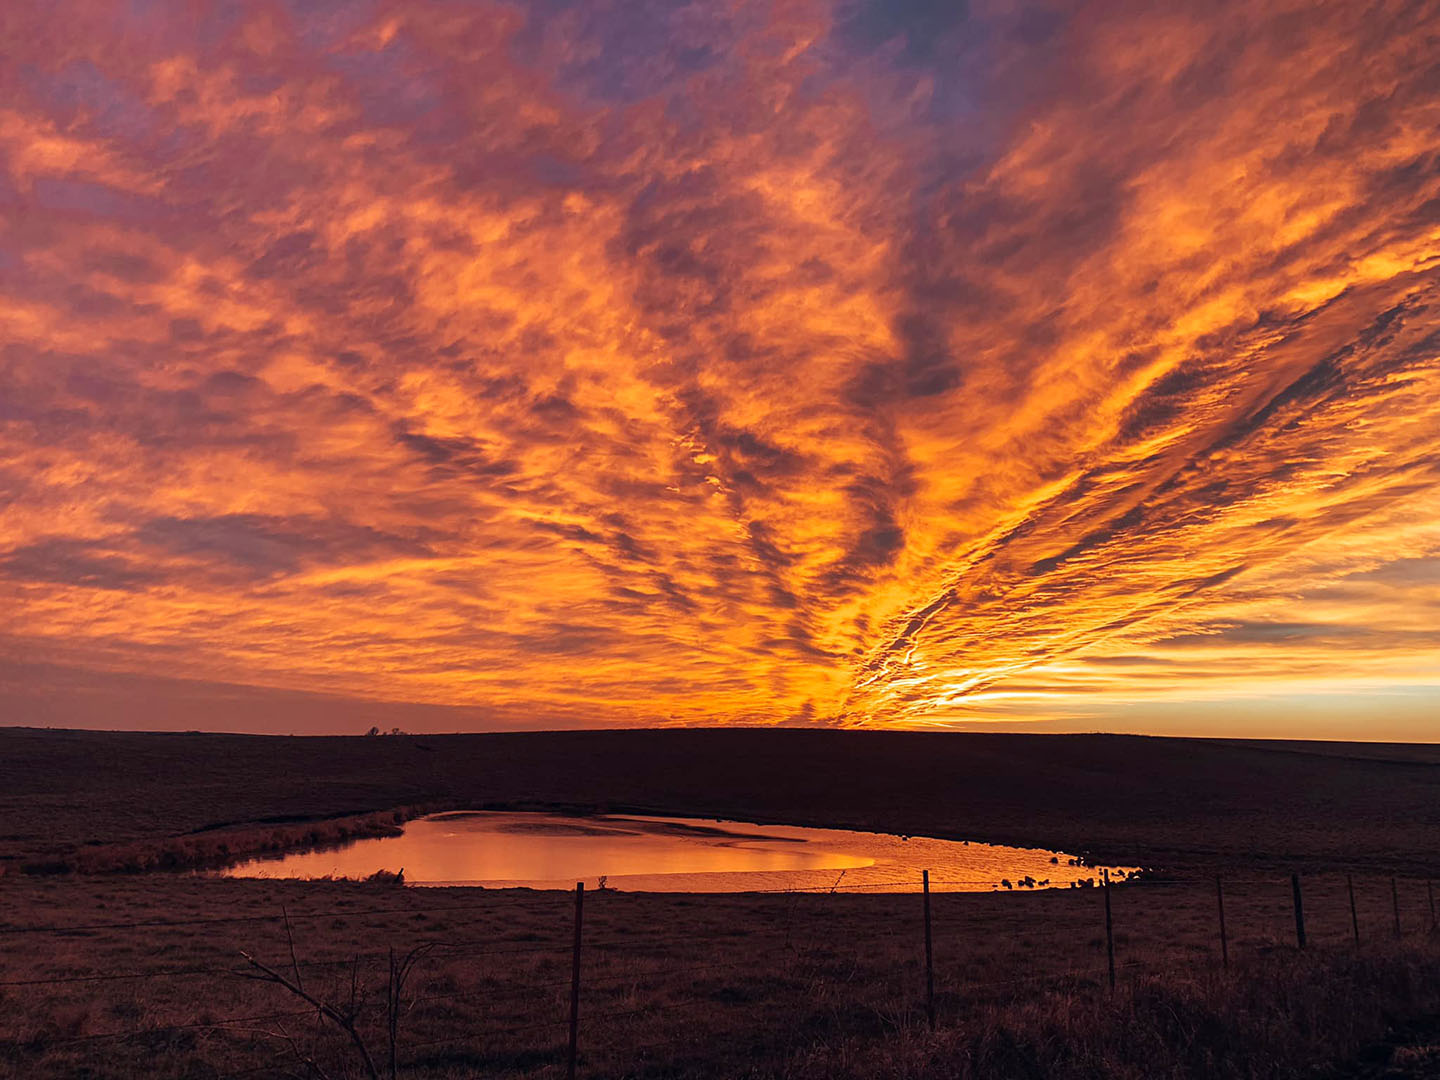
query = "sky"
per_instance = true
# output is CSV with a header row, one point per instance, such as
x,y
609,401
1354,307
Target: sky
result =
x,y
893,363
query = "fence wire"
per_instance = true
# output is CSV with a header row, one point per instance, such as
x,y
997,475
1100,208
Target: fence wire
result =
x,y
778,945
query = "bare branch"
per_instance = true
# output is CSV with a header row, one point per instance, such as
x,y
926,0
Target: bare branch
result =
x,y
394,993
344,1020
290,938
304,1059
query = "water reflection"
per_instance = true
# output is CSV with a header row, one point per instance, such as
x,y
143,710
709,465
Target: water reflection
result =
x,y
672,855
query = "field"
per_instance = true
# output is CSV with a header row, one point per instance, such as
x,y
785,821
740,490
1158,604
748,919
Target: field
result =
x,y
1171,802
142,974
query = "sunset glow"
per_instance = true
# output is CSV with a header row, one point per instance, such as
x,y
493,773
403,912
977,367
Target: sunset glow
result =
x,y
862,362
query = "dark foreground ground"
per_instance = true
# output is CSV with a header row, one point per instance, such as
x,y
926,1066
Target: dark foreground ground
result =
x,y
142,974
138,977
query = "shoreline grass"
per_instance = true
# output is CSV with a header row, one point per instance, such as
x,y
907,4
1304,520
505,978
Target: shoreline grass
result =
x,y
215,848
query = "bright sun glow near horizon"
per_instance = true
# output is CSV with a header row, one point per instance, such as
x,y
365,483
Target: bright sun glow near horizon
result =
x,y
1040,366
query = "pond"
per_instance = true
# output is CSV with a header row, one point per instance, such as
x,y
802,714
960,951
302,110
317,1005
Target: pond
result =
x,y
652,854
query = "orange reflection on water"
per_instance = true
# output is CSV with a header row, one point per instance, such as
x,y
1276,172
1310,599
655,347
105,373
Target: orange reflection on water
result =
x,y
671,855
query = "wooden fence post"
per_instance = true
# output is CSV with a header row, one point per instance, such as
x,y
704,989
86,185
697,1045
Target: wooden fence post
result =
x,y
575,981
1224,941
1109,930
929,954
1395,903
1354,918
1299,910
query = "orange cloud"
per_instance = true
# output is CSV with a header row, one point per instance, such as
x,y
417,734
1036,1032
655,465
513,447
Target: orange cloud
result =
x,y
861,363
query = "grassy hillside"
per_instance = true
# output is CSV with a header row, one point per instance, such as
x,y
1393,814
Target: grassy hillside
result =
x,y
1169,801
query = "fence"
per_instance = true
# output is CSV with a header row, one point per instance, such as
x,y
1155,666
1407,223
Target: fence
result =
x,y
595,983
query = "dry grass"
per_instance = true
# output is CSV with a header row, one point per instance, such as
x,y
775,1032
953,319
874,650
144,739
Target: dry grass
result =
x,y
790,986
1119,799
224,846
1283,1016
795,985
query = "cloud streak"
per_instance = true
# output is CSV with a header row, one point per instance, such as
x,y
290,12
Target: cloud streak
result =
x,y
751,362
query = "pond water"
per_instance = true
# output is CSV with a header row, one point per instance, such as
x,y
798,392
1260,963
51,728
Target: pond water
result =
x,y
651,854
